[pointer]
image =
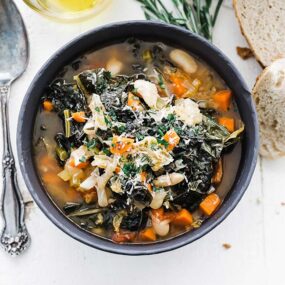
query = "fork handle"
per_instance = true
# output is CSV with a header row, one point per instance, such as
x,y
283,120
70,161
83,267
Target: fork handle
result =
x,y
14,238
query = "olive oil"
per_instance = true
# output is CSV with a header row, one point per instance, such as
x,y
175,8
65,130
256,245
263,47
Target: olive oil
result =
x,y
68,5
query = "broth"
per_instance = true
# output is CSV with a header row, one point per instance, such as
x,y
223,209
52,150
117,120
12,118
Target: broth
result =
x,y
133,60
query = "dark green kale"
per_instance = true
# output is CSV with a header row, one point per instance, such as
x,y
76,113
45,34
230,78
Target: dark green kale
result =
x,y
65,96
135,220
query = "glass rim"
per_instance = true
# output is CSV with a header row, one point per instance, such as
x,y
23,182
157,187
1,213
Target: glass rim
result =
x,y
68,16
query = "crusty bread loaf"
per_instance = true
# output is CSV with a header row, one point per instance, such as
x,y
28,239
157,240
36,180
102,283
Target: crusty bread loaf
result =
x,y
262,23
269,96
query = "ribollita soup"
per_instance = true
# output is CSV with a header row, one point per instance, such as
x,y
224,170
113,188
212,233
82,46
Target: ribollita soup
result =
x,y
137,142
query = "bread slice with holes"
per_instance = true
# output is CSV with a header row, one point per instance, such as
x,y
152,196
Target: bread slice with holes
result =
x,y
269,96
262,22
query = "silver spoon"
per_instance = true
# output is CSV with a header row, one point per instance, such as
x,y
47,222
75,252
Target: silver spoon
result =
x,y
14,53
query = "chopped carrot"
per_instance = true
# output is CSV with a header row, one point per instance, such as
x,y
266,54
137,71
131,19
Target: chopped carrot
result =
x,y
118,169
79,117
161,215
172,138
47,105
228,123
148,235
178,87
149,187
222,99
143,175
123,237
210,204
120,145
90,197
183,218
134,102
218,175
80,165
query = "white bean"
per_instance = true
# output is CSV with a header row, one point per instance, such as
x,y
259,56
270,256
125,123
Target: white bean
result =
x,y
184,60
160,227
169,179
157,199
114,66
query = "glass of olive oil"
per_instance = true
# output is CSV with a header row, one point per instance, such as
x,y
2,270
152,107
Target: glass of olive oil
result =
x,y
68,10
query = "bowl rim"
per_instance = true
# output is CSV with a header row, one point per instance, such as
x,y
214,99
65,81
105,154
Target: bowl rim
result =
x,y
24,147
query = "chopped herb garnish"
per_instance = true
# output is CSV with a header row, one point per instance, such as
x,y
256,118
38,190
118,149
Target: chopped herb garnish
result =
x,y
106,151
161,81
129,169
140,136
82,159
121,129
91,144
171,117
108,122
163,142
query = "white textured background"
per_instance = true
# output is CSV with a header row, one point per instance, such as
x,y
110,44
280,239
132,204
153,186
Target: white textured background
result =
x,y
256,228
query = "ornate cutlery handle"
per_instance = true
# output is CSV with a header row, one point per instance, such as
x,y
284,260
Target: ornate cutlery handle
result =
x,y
14,237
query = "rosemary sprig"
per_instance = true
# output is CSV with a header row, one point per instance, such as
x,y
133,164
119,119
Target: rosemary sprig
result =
x,y
195,15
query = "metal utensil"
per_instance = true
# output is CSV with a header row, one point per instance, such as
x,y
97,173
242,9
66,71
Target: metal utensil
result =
x,y
14,52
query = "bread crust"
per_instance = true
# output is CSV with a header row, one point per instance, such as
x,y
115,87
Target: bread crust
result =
x,y
248,39
271,144
244,34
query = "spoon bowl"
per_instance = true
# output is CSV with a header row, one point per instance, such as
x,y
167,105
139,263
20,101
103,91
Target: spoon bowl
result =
x,y
14,48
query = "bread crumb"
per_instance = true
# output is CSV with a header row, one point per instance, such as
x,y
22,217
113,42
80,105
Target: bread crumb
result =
x,y
244,52
227,245
282,203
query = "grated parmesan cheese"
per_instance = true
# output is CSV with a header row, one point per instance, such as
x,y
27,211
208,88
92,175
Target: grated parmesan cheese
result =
x,y
188,112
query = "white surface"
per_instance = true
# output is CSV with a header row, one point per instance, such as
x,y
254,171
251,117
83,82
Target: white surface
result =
x,y
256,228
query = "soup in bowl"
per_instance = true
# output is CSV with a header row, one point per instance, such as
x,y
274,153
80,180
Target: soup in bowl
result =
x,y
137,143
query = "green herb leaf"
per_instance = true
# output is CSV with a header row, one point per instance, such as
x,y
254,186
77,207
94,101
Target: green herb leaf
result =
x,y
129,169
82,158
196,15
106,151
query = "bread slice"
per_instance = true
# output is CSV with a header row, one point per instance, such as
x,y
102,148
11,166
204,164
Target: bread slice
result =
x,y
262,22
269,96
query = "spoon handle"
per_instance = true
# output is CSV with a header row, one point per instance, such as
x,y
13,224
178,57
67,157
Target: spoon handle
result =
x,y
14,237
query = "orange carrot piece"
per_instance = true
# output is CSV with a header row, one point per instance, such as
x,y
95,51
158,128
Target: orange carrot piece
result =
x,y
183,218
228,123
148,235
222,99
47,105
143,176
80,165
134,102
178,87
161,215
172,138
217,178
118,169
79,117
123,237
149,187
210,204
121,145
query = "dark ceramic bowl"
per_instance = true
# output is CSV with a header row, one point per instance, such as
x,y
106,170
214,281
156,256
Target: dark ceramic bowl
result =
x,y
114,33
